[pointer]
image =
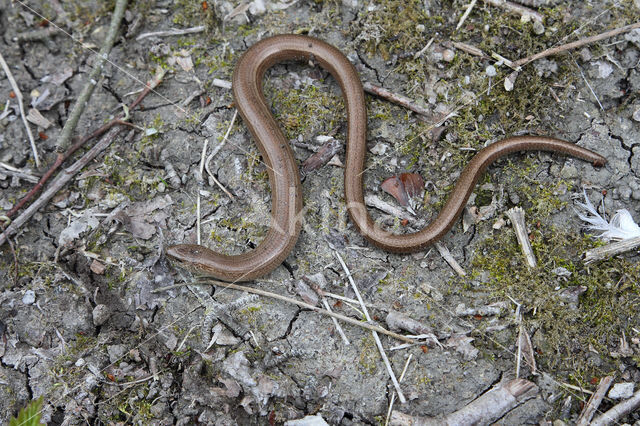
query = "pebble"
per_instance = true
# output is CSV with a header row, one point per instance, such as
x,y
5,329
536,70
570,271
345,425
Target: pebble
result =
x,y
621,390
29,297
448,55
307,421
538,28
101,314
379,148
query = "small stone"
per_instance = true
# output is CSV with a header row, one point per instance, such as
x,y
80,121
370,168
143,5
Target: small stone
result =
x,y
420,28
636,114
101,314
80,362
29,297
379,148
621,390
604,69
490,71
307,421
538,28
448,55
97,267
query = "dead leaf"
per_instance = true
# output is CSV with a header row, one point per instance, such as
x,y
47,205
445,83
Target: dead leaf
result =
x,y
394,187
403,186
38,119
413,183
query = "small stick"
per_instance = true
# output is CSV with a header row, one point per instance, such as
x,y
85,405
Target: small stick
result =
x,y
576,44
448,257
472,50
504,60
335,321
64,139
316,288
13,171
375,335
393,396
223,84
516,215
299,303
525,349
173,32
618,411
611,249
575,388
594,401
380,204
395,98
344,299
215,150
465,15
424,49
486,409
516,9
19,97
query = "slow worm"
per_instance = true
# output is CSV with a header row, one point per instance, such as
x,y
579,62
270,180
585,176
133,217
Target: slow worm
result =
x,y
283,171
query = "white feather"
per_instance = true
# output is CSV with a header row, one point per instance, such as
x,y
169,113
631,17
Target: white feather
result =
x,y
621,227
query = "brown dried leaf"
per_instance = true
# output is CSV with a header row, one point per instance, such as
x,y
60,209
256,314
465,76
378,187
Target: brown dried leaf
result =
x,y
413,183
394,187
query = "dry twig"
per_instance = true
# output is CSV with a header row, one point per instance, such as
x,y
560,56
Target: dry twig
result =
x,y
594,401
395,98
576,44
448,257
215,150
516,215
20,99
466,14
611,249
393,396
613,415
516,9
174,32
62,157
64,140
486,409
296,302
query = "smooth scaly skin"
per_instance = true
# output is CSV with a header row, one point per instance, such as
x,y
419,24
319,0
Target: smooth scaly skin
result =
x,y
283,171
